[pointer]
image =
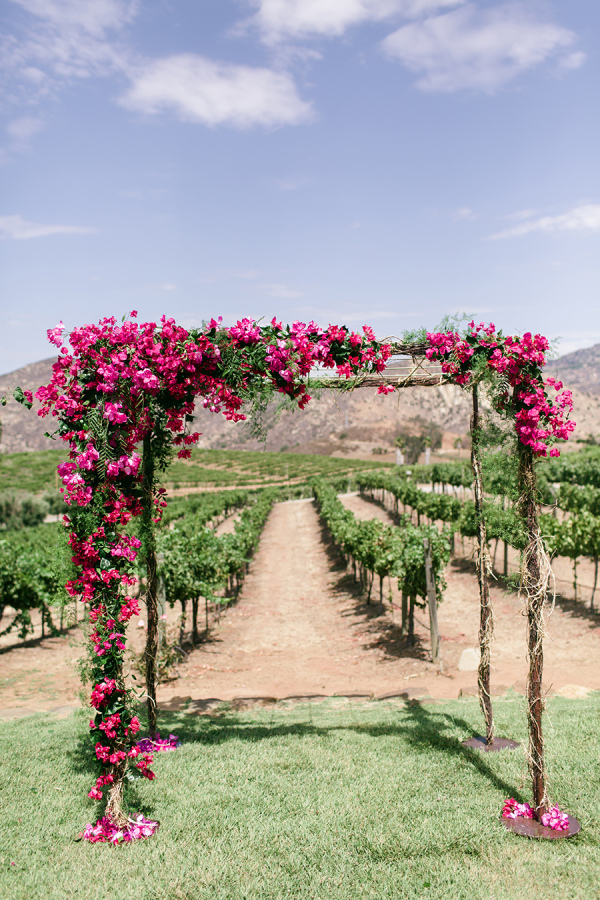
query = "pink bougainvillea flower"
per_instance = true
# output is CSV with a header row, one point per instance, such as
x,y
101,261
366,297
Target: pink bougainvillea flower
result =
x,y
147,745
55,334
555,819
514,810
105,831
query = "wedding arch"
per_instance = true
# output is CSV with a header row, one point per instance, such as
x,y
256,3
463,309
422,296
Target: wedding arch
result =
x,y
124,386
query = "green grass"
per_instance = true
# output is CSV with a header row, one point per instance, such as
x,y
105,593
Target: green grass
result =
x,y
34,472
326,801
244,467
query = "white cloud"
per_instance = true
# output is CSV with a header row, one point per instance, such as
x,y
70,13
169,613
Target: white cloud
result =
x,y
581,219
474,48
197,89
23,129
281,19
464,214
92,16
19,229
573,60
282,291
61,40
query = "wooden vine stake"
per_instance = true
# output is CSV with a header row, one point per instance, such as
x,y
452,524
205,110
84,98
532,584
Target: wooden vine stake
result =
x,y
535,575
486,616
436,656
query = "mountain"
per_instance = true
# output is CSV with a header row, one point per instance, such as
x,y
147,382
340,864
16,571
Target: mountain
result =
x,y
344,424
580,369
22,429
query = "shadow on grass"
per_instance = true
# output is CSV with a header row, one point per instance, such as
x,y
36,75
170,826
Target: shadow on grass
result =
x,y
422,729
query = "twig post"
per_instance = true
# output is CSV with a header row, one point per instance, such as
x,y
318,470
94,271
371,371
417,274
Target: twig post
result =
x,y
486,619
535,574
149,542
432,604
161,600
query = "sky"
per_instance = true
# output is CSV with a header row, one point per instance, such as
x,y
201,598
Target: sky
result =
x,y
381,162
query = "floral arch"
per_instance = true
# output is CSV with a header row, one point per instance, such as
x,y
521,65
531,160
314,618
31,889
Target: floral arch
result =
x,y
122,386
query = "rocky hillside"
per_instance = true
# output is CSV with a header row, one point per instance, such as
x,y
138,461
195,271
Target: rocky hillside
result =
x,y
348,424
22,429
581,369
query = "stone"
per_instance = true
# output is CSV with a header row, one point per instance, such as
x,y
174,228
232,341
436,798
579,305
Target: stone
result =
x,y
408,693
250,702
469,660
304,698
204,706
354,695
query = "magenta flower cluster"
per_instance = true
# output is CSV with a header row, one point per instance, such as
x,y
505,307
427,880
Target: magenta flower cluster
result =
x,y
540,419
158,744
105,831
116,385
553,818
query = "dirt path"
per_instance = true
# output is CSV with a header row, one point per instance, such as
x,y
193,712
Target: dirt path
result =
x,y
300,627
227,526
297,628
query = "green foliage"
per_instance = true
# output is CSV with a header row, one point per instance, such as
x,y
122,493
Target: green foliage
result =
x,y
248,467
21,510
34,566
199,563
576,498
441,507
385,550
572,537
414,336
454,474
34,472
429,435
575,468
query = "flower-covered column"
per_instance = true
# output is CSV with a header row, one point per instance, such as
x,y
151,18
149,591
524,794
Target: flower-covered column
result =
x,y
122,385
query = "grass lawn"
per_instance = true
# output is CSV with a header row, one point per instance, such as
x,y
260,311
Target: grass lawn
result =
x,y
331,800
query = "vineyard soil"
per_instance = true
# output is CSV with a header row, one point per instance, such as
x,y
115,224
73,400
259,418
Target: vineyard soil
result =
x,y
300,627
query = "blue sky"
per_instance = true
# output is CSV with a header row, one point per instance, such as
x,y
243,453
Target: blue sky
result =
x,y
361,161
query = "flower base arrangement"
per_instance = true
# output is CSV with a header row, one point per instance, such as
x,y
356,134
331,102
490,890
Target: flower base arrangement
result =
x,y
157,744
105,831
520,818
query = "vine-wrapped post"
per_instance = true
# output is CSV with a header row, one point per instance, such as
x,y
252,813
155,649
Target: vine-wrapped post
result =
x,y
149,548
122,385
486,618
535,574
